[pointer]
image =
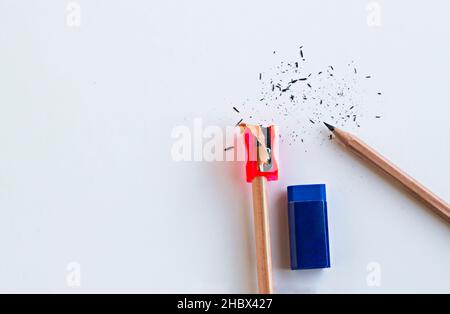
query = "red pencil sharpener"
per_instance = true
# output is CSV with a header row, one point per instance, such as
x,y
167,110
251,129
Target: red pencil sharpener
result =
x,y
255,167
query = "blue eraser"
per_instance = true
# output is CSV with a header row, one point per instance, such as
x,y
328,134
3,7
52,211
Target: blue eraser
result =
x,y
308,226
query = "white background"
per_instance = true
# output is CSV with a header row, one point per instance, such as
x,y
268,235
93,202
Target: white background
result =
x,y
86,173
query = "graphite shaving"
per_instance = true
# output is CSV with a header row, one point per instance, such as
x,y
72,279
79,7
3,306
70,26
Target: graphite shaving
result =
x,y
297,95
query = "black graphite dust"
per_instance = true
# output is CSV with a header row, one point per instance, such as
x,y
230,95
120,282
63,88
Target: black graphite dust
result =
x,y
298,96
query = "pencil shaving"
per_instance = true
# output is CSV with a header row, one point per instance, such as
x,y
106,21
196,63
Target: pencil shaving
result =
x,y
255,130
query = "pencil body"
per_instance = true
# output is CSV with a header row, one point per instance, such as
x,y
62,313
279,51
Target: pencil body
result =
x,y
438,205
262,235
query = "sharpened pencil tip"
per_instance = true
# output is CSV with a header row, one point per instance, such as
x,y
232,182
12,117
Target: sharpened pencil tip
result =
x,y
329,126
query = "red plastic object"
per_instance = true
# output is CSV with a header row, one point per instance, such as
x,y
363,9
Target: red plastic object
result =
x,y
253,168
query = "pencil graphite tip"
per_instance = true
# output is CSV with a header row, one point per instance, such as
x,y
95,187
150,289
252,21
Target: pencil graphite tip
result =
x,y
329,126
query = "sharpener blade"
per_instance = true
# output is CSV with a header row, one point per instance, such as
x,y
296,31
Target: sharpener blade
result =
x,y
267,166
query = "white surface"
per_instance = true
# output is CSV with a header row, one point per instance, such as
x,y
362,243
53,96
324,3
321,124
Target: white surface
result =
x,y
86,174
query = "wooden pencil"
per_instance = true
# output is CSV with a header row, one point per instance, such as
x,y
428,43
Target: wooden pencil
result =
x,y
262,236
356,145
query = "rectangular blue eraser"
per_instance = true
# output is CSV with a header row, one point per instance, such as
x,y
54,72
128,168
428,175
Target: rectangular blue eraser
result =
x,y
308,226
